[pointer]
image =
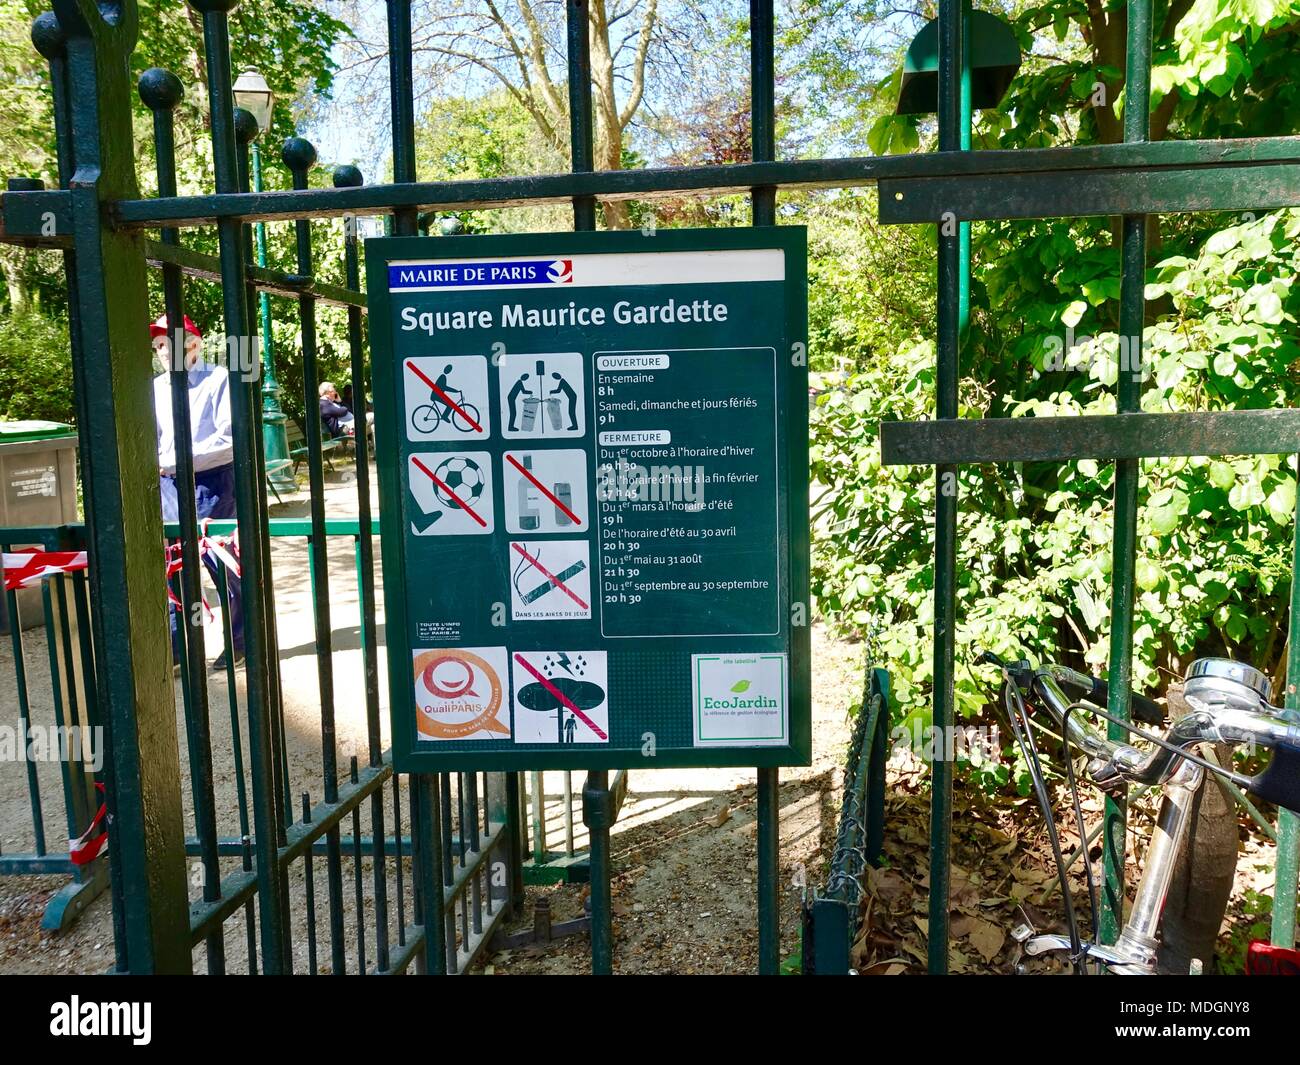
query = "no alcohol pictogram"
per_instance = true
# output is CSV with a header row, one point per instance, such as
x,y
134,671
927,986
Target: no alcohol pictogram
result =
x,y
546,491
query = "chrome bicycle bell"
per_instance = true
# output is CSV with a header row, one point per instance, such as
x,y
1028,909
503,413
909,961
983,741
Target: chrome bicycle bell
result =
x,y
1223,682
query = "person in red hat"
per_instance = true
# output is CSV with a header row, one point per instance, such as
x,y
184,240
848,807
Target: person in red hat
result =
x,y
212,446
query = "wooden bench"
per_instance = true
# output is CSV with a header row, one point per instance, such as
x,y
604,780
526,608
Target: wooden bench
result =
x,y
298,450
274,466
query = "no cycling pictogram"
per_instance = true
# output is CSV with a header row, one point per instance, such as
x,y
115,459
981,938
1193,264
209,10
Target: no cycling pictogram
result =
x,y
451,403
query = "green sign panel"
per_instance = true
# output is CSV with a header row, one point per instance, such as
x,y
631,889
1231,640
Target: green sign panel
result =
x,y
593,456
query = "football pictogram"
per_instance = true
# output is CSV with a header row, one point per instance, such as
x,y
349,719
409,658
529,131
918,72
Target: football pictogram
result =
x,y
463,477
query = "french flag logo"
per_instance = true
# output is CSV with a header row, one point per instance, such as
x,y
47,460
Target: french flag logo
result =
x,y
560,272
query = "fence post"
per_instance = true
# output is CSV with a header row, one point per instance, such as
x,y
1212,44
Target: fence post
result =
x,y
1128,400
762,29
269,812
598,817
516,827
1287,869
114,374
875,793
954,132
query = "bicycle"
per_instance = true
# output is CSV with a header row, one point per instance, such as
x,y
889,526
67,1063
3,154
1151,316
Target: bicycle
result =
x,y
463,417
1227,704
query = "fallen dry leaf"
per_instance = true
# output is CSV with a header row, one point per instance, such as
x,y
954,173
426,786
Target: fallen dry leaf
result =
x,y
888,967
962,925
987,938
886,884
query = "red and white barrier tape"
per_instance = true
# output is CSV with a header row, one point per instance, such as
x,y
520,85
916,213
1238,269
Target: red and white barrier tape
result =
x,y
88,846
25,568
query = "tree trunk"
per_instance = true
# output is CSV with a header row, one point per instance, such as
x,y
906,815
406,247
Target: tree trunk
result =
x,y
609,156
11,263
609,131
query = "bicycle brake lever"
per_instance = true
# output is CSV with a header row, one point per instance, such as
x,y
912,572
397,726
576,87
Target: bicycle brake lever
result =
x,y
1105,775
1017,669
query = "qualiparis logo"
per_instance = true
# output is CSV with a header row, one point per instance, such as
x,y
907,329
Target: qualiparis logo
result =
x,y
458,693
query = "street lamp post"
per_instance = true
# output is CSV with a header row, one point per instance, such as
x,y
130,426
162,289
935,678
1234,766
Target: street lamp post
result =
x,y
252,93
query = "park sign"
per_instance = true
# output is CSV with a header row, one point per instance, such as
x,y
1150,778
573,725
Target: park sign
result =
x,y
593,471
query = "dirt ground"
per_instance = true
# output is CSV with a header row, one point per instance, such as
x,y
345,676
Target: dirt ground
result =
x,y
1003,875
684,848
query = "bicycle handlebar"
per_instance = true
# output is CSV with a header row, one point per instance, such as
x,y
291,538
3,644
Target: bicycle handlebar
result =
x,y
1224,709
1097,691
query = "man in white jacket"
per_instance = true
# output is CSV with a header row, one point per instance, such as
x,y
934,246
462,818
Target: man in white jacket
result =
x,y
213,449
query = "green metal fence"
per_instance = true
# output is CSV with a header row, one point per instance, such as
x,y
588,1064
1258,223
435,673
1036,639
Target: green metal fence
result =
x,y
366,894
63,671
830,915
99,220
1135,180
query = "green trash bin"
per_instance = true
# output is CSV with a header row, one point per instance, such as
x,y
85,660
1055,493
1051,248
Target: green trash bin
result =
x,y
38,486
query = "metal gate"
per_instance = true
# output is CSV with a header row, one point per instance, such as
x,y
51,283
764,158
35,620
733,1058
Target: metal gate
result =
x,y
100,221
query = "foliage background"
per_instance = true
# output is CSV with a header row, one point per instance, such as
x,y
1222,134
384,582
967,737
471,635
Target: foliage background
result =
x,y
1215,537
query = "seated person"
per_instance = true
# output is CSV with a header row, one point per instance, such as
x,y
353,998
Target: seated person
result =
x,y
337,418
347,399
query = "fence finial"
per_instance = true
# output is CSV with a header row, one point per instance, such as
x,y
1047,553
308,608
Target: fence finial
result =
x,y
298,154
160,89
347,177
48,36
246,127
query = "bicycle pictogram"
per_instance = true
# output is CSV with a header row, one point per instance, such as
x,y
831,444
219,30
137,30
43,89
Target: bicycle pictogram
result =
x,y
448,405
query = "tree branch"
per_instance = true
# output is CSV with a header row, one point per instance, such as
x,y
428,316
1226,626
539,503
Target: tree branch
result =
x,y
638,65
537,53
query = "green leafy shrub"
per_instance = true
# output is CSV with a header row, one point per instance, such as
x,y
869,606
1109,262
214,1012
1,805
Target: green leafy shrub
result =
x,y
1034,539
35,368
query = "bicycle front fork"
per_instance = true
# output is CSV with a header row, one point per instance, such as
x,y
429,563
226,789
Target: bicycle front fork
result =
x,y
1134,953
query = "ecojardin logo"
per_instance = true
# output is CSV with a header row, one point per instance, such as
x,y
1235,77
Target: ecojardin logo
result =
x,y
738,690
740,699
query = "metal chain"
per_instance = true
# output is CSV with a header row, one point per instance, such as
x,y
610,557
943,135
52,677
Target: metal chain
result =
x,y
849,859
